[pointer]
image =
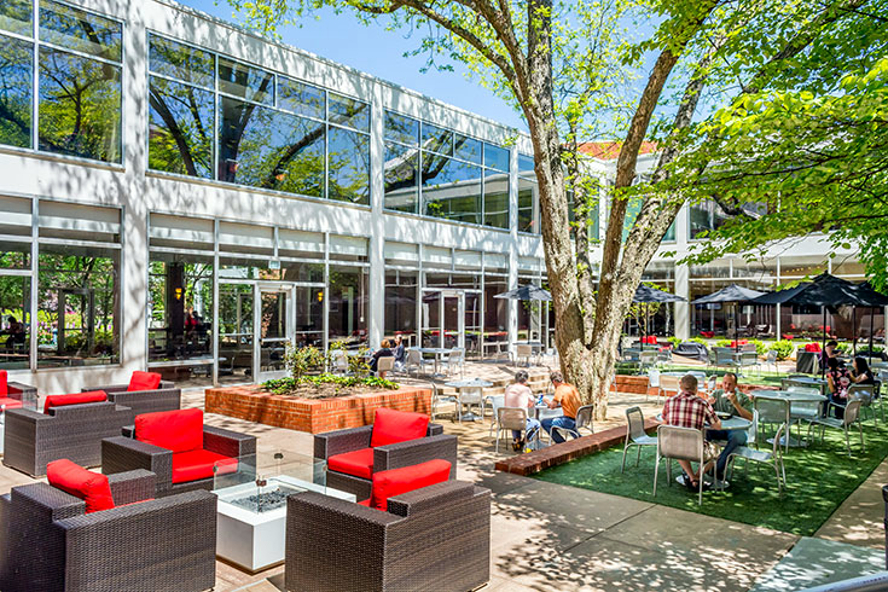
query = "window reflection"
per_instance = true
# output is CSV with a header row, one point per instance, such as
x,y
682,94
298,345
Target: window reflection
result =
x,y
401,128
15,322
79,111
181,61
246,82
526,193
437,139
79,30
265,148
496,158
451,189
496,199
349,112
348,303
180,307
349,166
467,148
301,99
15,16
15,92
180,135
401,178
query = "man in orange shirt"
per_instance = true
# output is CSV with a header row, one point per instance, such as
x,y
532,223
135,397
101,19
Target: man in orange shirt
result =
x,y
566,397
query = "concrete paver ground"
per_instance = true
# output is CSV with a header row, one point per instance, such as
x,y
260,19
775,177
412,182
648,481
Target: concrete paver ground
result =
x,y
552,537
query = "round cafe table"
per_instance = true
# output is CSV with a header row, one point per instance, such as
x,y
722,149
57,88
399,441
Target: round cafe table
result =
x,y
438,352
733,423
468,392
787,398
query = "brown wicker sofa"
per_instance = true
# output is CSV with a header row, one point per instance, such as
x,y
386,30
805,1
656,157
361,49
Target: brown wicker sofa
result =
x,y
390,456
75,432
434,538
120,454
165,398
49,544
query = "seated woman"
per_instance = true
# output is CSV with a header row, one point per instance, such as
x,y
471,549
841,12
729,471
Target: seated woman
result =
x,y
384,351
861,373
838,380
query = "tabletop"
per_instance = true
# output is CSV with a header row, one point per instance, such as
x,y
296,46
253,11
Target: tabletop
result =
x,y
732,423
807,380
791,396
458,384
432,350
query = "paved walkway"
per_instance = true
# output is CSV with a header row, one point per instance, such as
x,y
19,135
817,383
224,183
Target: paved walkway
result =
x,y
552,537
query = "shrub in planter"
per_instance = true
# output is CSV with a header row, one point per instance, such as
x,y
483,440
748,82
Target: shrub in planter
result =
x,y
783,348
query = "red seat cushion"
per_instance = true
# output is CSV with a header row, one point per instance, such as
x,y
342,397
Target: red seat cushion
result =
x,y
365,502
388,484
3,379
144,381
198,464
358,463
180,430
93,488
8,403
391,427
74,399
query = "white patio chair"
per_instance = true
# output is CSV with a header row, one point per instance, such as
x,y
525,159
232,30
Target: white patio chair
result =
x,y
338,362
852,416
774,458
804,411
669,385
414,363
654,383
455,359
677,443
582,420
385,364
866,394
635,435
513,418
468,396
437,398
495,402
771,360
523,351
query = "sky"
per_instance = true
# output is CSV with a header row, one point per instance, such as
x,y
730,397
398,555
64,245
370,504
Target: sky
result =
x,y
374,50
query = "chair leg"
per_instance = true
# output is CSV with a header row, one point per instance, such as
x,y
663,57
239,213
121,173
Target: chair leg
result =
x,y
656,473
638,457
779,483
860,431
847,442
625,450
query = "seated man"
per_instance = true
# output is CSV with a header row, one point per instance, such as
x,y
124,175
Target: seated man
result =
x,y
735,402
566,397
687,410
518,394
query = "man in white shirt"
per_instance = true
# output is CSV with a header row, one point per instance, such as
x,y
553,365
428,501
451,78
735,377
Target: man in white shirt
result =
x,y
518,394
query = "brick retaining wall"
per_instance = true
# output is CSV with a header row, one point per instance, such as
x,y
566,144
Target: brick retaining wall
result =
x,y
312,415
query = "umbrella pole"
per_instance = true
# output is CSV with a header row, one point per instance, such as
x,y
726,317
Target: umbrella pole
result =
x,y
822,365
872,314
854,328
736,331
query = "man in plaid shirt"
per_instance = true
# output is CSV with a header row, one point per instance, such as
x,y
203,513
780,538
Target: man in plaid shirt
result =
x,y
687,410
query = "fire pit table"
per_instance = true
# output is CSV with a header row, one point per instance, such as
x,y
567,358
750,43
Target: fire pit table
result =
x,y
251,514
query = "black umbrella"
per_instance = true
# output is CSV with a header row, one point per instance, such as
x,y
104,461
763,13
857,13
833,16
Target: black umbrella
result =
x,y
528,292
732,293
649,295
874,300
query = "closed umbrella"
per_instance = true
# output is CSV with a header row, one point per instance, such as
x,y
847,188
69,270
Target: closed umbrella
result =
x,y
731,294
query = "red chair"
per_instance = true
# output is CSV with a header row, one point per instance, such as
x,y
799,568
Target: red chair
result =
x,y
14,395
145,393
396,439
178,448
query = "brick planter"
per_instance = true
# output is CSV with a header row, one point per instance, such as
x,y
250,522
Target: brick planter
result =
x,y
312,415
630,384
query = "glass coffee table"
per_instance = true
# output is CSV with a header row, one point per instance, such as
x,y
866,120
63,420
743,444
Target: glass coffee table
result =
x,y
251,516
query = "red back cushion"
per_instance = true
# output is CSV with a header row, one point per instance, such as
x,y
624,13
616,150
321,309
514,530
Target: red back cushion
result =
x,y
388,484
144,381
2,383
180,430
74,399
93,488
391,427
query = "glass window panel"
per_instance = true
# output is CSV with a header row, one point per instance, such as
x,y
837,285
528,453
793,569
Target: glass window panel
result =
x,y
15,16
401,178
400,304
301,99
496,199
266,148
526,190
16,75
295,271
525,165
401,128
496,157
180,61
467,148
669,237
80,30
15,255
79,301
15,323
180,307
349,166
348,305
180,129
80,105
246,82
437,139
349,112
451,189
496,311
309,316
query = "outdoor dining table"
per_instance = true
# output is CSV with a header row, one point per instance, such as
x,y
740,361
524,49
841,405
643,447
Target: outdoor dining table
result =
x,y
731,424
788,398
473,384
438,352
811,381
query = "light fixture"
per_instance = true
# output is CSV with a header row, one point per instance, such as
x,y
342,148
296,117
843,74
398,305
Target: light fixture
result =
x,y
178,293
321,296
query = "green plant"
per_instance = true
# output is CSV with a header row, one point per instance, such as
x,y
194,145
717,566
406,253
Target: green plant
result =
x,y
358,365
288,384
675,341
760,347
302,360
783,348
843,348
724,343
626,368
698,340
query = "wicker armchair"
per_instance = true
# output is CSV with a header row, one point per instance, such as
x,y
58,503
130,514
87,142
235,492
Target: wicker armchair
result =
x,y
434,538
22,392
392,456
49,544
165,398
32,439
121,454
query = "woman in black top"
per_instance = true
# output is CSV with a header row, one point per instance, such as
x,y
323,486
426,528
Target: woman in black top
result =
x,y
384,351
862,372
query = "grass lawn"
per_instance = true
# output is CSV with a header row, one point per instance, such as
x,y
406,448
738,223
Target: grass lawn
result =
x,y
819,479
749,376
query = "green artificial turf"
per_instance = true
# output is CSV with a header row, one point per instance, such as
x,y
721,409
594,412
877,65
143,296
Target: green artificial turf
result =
x,y
749,376
819,479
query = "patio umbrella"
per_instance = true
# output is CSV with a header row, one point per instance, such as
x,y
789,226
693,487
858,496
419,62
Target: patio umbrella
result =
x,y
647,294
875,300
731,294
527,292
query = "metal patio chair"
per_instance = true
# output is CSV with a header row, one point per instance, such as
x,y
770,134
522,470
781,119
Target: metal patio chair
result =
x,y
514,418
635,435
677,443
749,454
582,420
852,416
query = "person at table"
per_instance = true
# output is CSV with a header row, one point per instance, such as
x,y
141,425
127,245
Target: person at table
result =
x,y
829,353
687,410
384,351
838,379
566,397
861,373
400,352
16,332
730,400
519,395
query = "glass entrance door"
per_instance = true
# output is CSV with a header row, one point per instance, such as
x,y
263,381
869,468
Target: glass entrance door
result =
x,y
274,330
444,318
236,319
